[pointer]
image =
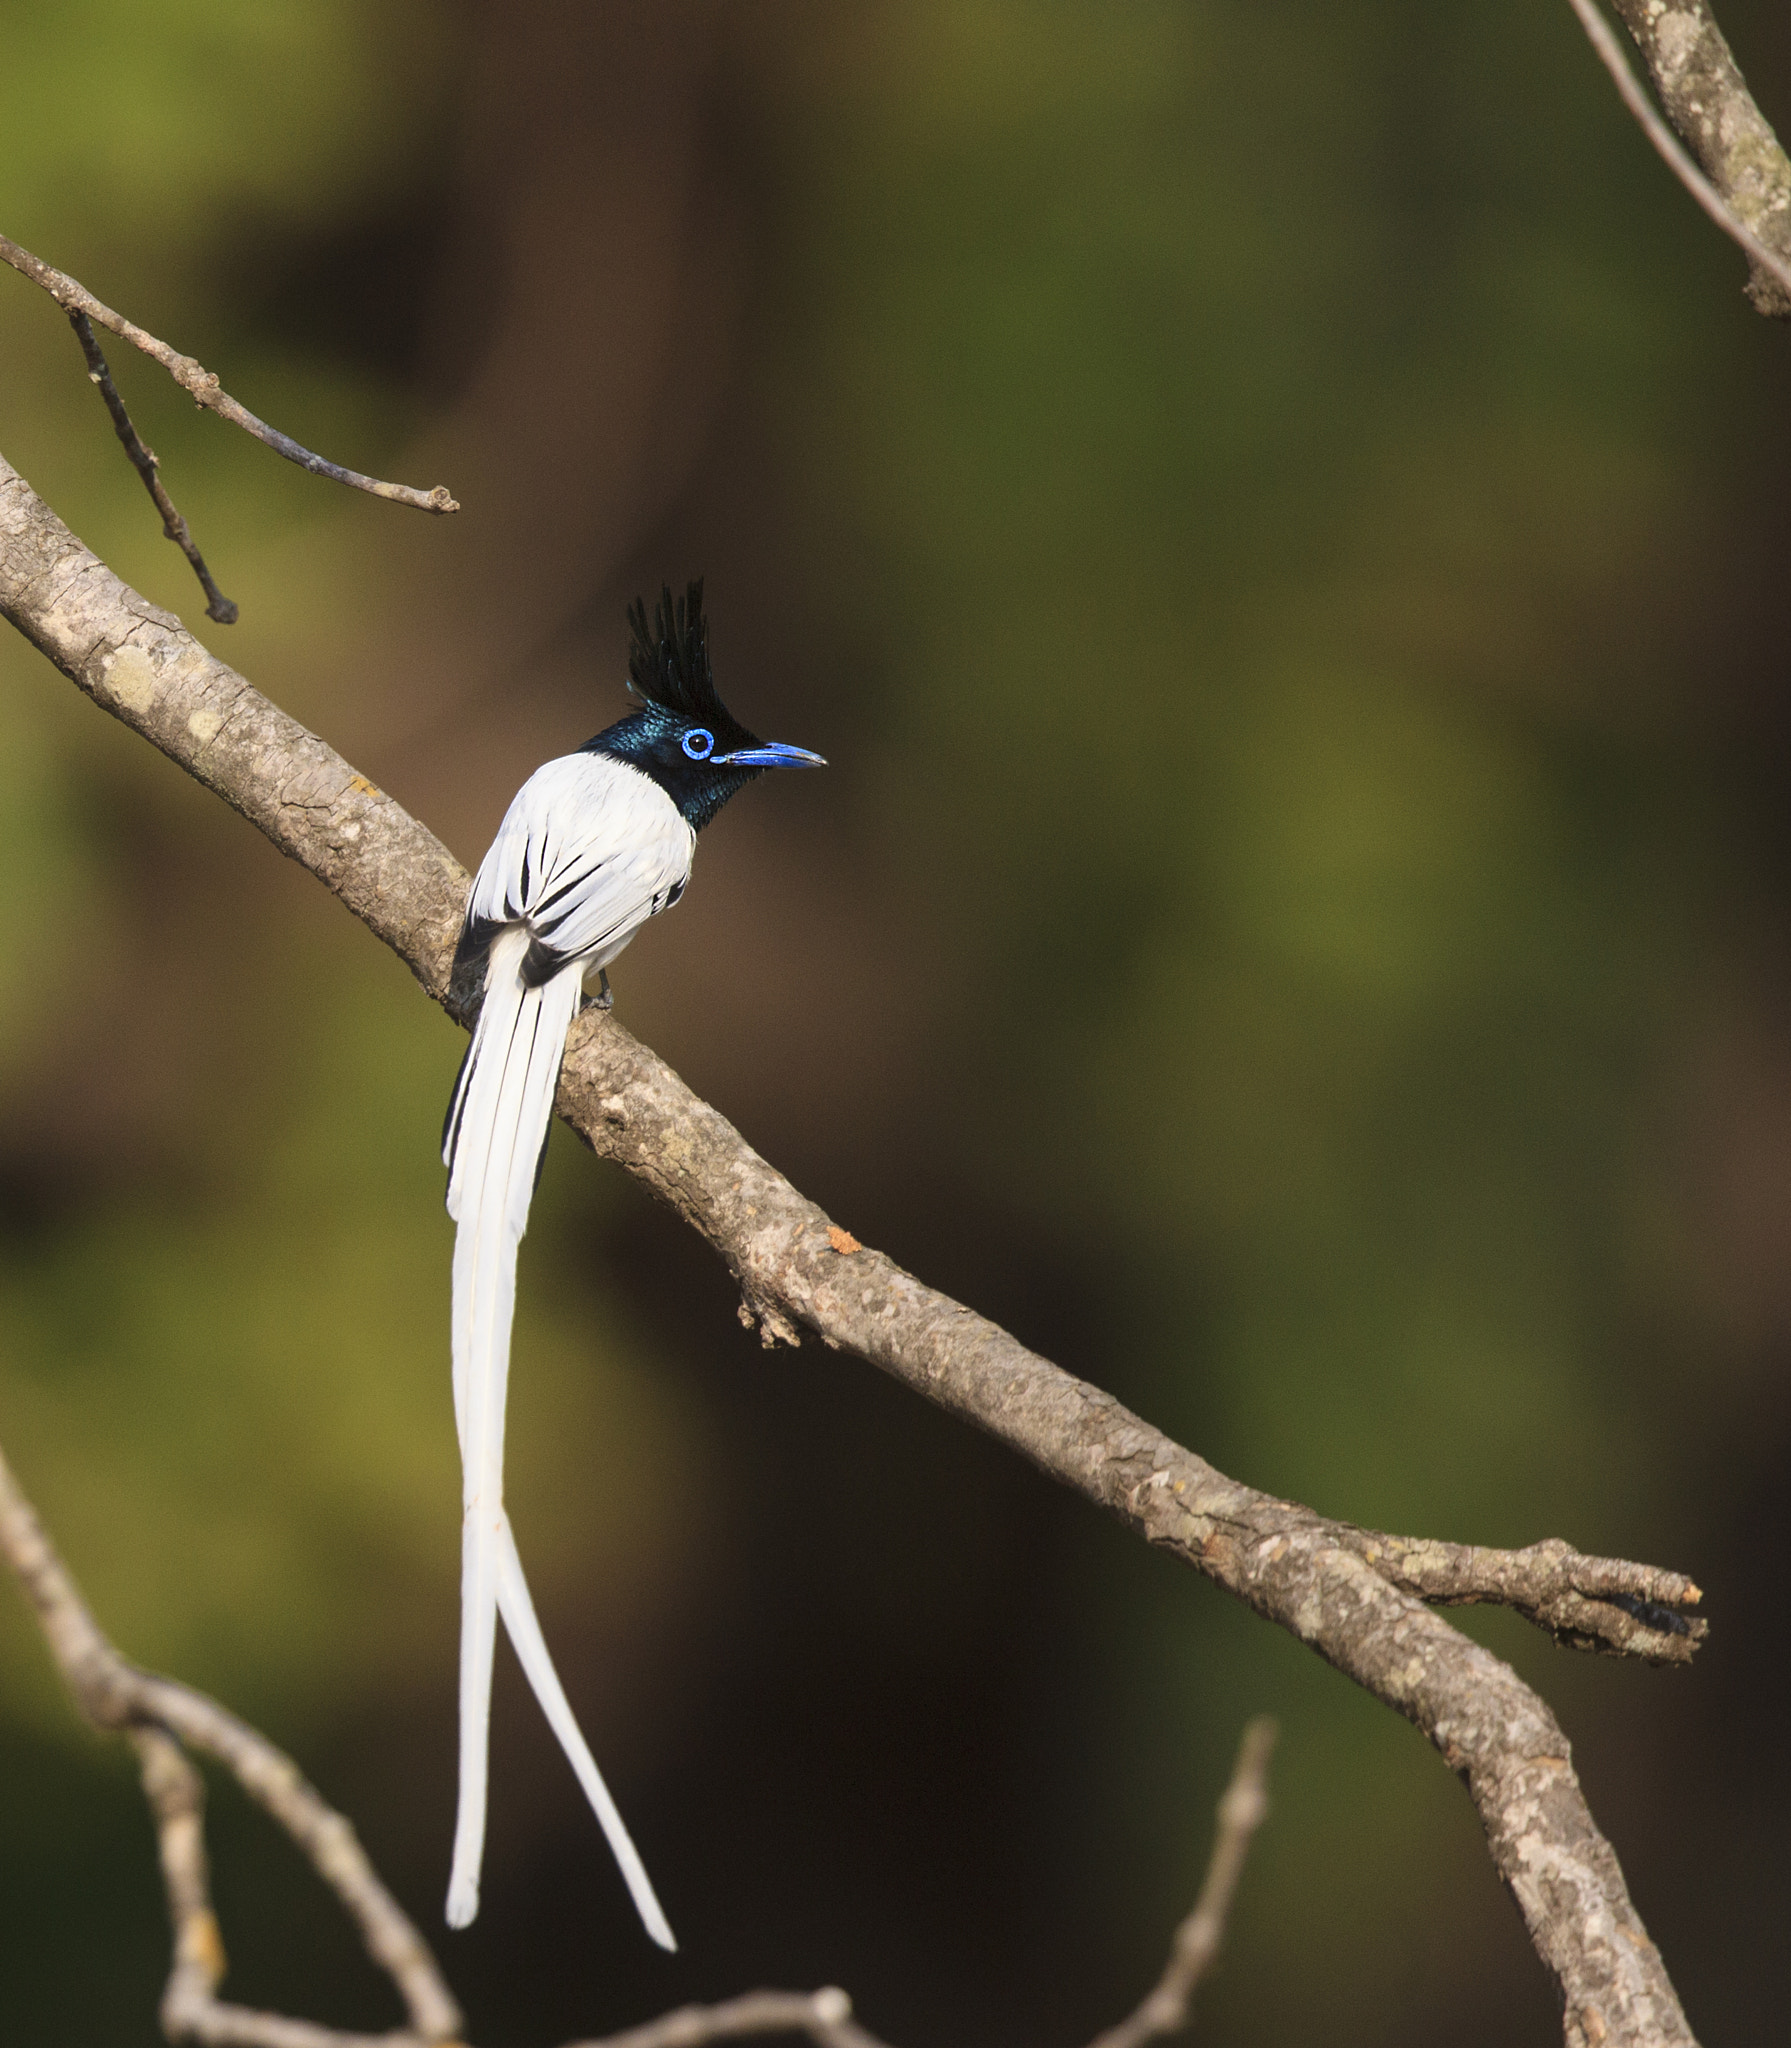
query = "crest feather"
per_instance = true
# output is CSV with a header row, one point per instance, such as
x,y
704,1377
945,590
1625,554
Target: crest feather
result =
x,y
668,664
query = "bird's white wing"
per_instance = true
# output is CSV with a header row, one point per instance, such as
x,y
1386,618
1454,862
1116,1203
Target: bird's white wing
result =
x,y
588,851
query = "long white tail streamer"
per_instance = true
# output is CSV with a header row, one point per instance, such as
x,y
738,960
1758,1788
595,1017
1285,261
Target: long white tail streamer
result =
x,y
497,1129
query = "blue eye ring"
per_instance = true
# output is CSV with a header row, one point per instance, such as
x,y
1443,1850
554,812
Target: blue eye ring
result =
x,y
699,745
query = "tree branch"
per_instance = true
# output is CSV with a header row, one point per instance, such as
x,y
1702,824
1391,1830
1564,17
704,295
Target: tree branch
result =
x,y
113,1694
1746,182
203,387
1356,1597
1585,1603
143,460
161,1715
824,2016
1242,1810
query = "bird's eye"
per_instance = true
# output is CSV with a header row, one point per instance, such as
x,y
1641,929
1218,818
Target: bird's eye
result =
x,y
699,745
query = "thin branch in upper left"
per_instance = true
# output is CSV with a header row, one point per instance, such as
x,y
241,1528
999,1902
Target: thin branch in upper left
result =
x,y
202,385
217,605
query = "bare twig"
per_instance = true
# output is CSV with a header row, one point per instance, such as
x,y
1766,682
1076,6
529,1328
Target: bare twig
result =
x,y
1747,191
218,606
191,2009
202,385
1586,1603
1242,1810
824,2016
1356,1598
115,1694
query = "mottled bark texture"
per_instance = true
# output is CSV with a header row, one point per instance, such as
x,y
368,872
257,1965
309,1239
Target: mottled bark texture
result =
x,y
1358,1598
1707,100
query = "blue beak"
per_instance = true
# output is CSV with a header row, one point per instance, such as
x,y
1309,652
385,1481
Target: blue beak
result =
x,y
773,754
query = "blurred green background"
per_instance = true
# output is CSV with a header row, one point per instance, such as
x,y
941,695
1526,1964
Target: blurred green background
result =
x,y
1277,515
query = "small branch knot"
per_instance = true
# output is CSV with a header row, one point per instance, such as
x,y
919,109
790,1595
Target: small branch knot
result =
x,y
773,1326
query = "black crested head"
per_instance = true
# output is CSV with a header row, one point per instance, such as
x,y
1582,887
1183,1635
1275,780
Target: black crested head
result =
x,y
668,663
683,736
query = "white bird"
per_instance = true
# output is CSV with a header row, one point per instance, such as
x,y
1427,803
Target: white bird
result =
x,y
592,846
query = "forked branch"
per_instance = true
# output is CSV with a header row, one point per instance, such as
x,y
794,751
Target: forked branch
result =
x,y
203,387
83,309
164,1719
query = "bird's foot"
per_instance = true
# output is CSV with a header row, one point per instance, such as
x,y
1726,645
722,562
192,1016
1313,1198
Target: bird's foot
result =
x,y
602,1000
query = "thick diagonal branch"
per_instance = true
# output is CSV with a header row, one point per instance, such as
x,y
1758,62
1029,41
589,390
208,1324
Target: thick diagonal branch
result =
x,y
1357,1598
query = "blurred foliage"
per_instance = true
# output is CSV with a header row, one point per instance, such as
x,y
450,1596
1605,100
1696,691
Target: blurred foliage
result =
x,y
1272,512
